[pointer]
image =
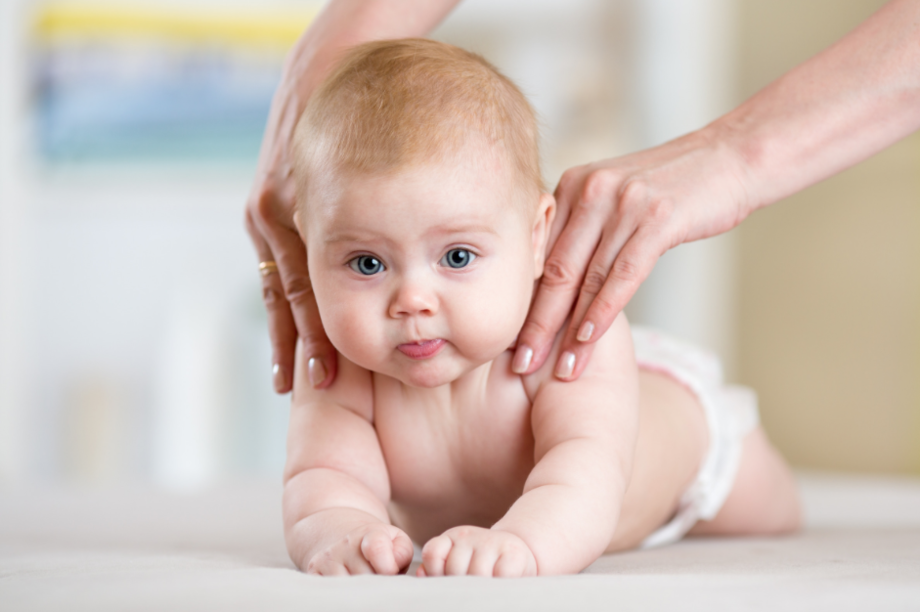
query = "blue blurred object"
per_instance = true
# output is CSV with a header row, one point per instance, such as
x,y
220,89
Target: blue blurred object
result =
x,y
203,107
136,82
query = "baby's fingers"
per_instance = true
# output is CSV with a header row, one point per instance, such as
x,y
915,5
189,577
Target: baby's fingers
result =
x,y
483,562
434,555
387,555
326,566
458,560
514,563
377,548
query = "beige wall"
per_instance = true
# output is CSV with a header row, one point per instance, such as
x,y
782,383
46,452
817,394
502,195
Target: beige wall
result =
x,y
829,325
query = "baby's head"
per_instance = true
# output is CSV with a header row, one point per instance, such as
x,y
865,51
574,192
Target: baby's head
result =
x,y
422,208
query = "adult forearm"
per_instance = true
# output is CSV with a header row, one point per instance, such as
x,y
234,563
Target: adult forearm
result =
x,y
345,23
835,110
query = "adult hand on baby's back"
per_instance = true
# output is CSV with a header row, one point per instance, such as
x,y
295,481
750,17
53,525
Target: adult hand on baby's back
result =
x,y
375,548
476,551
614,219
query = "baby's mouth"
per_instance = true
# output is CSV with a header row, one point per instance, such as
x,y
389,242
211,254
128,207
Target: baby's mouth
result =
x,y
423,349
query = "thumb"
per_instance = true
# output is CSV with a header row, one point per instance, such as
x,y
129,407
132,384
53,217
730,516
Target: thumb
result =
x,y
403,551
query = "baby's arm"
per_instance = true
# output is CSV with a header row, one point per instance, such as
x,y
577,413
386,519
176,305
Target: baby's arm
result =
x,y
336,487
585,434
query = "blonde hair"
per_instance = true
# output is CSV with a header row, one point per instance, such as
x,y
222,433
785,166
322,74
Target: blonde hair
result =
x,y
395,103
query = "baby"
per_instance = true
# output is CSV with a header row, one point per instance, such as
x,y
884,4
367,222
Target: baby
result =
x,y
422,208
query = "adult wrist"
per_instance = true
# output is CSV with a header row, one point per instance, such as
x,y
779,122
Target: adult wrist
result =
x,y
741,155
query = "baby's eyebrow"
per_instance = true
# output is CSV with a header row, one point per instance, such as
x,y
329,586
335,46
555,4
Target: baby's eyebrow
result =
x,y
335,238
463,228
447,228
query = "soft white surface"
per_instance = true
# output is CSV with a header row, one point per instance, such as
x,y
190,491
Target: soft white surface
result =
x,y
142,549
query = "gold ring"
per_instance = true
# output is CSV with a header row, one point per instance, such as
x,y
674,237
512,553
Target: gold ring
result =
x,y
267,267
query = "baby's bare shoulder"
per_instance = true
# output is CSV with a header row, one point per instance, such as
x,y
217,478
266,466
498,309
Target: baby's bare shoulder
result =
x,y
353,388
606,361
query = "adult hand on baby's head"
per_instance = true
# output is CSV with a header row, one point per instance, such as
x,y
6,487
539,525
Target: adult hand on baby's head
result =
x,y
376,548
614,219
476,551
287,291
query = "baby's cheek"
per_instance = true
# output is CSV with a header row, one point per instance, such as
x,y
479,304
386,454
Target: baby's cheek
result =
x,y
353,335
496,315
345,321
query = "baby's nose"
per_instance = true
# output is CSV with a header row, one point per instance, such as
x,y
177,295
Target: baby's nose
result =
x,y
413,298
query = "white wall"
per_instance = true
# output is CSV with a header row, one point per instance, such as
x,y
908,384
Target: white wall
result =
x,y
683,80
12,263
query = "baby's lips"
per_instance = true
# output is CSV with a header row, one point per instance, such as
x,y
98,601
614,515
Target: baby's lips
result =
x,y
422,350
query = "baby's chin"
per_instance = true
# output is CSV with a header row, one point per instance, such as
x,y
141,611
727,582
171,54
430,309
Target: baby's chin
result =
x,y
429,374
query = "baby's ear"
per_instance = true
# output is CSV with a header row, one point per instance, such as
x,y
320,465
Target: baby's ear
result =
x,y
546,212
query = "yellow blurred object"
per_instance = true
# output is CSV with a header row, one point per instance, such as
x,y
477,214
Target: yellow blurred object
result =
x,y
266,27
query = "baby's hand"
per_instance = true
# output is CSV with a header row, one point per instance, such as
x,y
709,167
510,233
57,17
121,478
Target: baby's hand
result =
x,y
476,551
369,549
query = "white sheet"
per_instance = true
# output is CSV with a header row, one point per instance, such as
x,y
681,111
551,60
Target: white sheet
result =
x,y
142,549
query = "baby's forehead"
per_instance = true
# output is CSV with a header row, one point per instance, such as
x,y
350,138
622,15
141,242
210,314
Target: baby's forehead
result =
x,y
475,178
423,200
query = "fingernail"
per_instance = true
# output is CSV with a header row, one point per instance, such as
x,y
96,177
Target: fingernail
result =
x,y
584,334
566,365
317,371
279,379
522,358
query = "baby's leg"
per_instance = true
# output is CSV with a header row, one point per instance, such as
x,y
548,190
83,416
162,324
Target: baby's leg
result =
x,y
763,500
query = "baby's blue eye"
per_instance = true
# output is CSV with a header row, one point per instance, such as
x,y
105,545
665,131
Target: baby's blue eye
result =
x,y
457,258
366,265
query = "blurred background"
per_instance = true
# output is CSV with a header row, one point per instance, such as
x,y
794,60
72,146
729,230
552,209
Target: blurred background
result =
x,y
133,342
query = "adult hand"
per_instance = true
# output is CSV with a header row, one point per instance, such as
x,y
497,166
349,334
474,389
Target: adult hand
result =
x,y
615,218
287,291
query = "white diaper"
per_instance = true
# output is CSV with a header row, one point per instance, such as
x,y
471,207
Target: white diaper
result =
x,y
731,413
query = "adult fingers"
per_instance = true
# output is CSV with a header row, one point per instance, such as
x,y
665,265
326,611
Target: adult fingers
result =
x,y
619,269
563,272
631,212
291,259
632,265
281,328
292,264
577,343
